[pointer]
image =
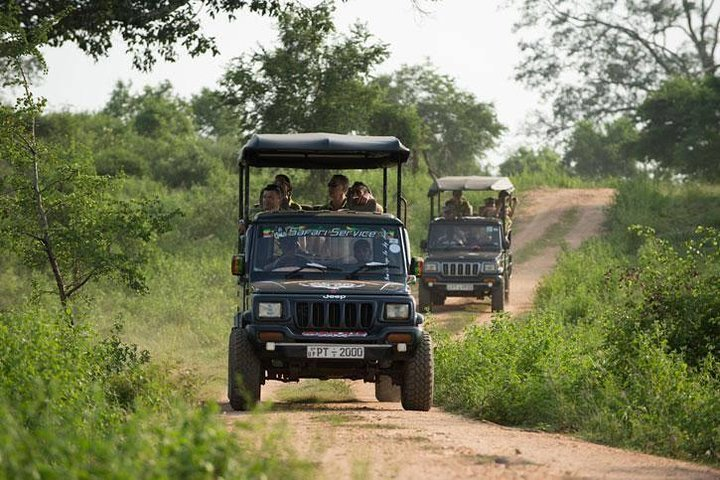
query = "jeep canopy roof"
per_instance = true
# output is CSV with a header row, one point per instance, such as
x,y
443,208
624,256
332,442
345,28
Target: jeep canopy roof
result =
x,y
323,151
445,184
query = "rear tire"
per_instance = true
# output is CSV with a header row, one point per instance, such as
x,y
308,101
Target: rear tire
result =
x,y
418,378
424,298
244,372
507,290
497,300
385,391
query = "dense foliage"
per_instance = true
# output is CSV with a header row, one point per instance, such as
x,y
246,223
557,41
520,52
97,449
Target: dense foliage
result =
x,y
622,347
681,127
73,407
151,29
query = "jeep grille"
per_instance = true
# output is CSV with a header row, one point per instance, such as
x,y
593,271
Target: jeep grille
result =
x,y
461,269
334,315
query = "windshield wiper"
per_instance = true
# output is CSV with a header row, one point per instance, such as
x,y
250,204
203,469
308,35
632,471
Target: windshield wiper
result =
x,y
372,266
313,265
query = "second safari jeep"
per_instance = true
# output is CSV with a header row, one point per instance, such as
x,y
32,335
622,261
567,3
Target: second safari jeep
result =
x,y
467,256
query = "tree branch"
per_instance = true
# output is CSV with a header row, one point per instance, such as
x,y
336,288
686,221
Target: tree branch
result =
x,y
79,285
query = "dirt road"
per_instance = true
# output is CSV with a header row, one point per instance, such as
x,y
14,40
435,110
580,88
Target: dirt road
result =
x,y
368,439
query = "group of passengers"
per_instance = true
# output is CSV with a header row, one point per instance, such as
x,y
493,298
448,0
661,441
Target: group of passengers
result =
x,y
277,196
502,207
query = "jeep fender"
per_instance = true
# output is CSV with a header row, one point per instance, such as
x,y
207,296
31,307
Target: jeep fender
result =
x,y
242,319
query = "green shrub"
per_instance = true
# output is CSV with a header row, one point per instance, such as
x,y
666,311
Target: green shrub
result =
x,y
75,407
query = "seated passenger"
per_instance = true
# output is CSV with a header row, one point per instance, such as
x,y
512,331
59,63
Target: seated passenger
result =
x,y
337,192
459,204
283,181
448,212
360,198
270,201
489,209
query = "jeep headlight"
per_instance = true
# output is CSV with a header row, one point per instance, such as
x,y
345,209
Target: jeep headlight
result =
x,y
432,267
269,309
397,311
490,267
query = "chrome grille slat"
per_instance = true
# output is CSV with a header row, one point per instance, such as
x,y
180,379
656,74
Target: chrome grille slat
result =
x,y
461,269
334,315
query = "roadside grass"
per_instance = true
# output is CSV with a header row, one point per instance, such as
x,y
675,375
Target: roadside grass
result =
x,y
183,320
316,391
454,323
621,347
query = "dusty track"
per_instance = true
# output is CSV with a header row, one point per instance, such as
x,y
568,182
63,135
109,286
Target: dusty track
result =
x,y
368,439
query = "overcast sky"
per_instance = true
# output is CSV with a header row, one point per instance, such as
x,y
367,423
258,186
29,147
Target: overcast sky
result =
x,y
471,41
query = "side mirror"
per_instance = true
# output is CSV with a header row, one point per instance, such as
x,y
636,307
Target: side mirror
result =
x,y
423,244
416,266
238,265
505,243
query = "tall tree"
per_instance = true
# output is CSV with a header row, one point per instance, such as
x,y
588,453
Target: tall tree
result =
x,y
55,212
457,128
681,127
527,161
597,59
603,151
313,81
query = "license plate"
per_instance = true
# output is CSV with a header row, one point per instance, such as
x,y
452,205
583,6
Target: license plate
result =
x,y
335,351
460,287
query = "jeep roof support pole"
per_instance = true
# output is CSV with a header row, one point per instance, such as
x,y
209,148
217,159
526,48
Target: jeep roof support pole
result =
x,y
240,200
399,189
385,180
246,213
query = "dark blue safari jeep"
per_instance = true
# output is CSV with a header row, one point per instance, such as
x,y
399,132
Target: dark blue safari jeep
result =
x,y
468,256
326,294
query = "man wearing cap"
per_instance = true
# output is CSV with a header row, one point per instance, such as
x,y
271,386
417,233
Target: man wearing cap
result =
x,y
337,191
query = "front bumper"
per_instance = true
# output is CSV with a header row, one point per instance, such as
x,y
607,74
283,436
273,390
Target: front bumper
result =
x,y
287,358
462,287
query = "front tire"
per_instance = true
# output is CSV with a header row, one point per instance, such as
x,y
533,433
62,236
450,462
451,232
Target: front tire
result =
x,y
244,372
385,391
416,392
497,300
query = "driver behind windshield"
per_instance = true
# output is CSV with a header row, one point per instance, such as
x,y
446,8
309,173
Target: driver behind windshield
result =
x,y
362,252
290,256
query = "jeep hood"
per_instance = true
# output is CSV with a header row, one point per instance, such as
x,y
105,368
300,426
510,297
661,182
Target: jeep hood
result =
x,y
460,255
345,287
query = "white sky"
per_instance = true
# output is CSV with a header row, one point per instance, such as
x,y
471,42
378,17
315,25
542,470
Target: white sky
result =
x,y
469,40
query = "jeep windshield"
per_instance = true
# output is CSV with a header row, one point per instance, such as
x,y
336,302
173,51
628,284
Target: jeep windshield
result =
x,y
465,236
317,250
